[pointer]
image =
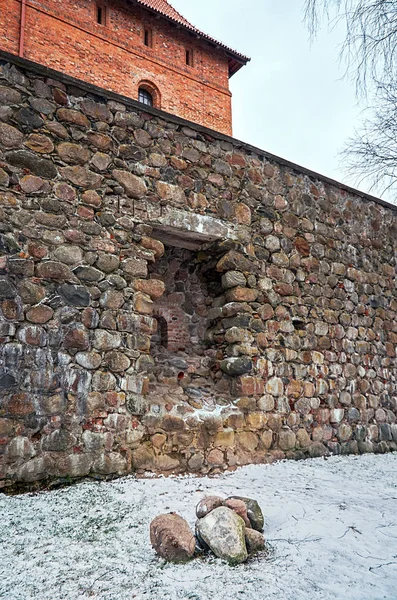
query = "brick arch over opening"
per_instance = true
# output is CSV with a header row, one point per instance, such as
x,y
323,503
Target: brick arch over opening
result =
x,y
153,91
176,336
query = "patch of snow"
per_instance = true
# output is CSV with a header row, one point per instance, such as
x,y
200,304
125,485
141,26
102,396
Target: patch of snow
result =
x,y
214,410
330,525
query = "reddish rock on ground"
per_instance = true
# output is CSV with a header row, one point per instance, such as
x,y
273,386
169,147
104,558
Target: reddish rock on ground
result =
x,y
254,541
172,538
240,508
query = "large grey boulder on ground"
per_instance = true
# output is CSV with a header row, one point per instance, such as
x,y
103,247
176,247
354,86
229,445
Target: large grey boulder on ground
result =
x,y
254,512
172,538
224,532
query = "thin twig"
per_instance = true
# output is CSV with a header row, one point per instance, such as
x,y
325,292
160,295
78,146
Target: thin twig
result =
x,y
382,565
350,528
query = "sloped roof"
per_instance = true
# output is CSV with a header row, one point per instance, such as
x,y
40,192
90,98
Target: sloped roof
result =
x,y
164,8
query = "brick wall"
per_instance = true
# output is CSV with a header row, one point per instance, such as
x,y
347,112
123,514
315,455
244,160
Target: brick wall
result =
x,y
106,211
66,36
177,334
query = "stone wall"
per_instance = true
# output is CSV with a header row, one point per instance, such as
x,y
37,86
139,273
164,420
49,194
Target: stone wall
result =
x,y
174,300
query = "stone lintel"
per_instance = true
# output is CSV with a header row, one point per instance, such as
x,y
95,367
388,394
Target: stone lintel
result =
x,y
190,230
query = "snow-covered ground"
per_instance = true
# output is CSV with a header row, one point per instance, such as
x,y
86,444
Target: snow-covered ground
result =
x,y
331,528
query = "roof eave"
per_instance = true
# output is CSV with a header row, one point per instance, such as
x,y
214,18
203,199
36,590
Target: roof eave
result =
x,y
235,65
240,58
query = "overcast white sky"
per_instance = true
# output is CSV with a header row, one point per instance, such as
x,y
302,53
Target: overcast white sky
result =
x,y
291,99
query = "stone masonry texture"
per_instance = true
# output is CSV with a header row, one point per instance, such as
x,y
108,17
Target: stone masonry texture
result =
x,y
172,300
66,36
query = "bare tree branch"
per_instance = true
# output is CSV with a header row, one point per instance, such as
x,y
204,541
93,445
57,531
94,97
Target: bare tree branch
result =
x,y
370,54
371,155
370,47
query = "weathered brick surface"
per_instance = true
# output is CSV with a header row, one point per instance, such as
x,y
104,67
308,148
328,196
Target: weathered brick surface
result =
x,y
65,36
141,330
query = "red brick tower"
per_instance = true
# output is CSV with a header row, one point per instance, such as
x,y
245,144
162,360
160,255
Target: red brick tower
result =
x,y
143,49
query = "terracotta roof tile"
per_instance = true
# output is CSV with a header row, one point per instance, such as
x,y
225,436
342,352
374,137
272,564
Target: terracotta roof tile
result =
x,y
164,8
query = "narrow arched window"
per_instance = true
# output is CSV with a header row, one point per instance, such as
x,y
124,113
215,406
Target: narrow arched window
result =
x,y
148,37
189,57
160,338
145,97
100,13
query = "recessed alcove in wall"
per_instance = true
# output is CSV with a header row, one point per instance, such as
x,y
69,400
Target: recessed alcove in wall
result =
x,y
179,347
186,354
